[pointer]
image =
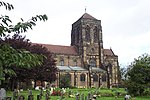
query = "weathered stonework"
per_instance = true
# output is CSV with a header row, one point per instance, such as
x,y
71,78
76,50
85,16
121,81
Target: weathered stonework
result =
x,y
86,51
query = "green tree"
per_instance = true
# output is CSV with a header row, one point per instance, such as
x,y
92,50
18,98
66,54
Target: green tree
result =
x,y
138,75
9,56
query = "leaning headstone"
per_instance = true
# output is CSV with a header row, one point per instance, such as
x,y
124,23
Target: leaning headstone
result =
x,y
21,97
30,97
39,97
2,93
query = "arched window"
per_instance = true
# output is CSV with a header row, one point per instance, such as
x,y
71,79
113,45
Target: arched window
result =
x,y
75,62
96,36
93,62
61,62
92,51
87,34
104,77
82,77
78,30
95,77
68,76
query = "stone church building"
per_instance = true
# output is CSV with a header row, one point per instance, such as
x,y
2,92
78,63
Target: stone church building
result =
x,y
85,61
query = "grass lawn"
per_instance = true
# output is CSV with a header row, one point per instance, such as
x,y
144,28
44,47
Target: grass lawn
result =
x,y
103,92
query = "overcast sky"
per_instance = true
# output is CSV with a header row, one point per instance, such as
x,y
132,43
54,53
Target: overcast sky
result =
x,y
125,23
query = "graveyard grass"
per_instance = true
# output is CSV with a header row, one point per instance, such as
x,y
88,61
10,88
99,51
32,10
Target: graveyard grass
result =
x,y
106,94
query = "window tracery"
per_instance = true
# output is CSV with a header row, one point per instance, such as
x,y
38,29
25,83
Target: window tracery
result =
x,y
96,36
87,34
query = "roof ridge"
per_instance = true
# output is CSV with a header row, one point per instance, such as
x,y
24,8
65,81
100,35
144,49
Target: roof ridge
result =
x,y
87,16
52,44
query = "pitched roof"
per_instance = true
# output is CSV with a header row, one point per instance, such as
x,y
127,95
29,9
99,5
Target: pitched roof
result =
x,y
70,50
87,16
59,49
109,52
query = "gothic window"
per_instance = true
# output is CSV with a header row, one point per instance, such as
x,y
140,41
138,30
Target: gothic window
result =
x,y
104,78
78,35
75,62
87,34
96,36
68,76
92,51
82,77
95,77
61,62
93,62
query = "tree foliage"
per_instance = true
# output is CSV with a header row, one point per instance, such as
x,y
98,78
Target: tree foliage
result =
x,y
45,72
10,56
138,75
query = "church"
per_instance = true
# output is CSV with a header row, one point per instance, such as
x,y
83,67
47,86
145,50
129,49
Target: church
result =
x,y
85,62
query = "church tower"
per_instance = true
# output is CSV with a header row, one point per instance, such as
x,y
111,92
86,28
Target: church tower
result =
x,y
86,62
86,36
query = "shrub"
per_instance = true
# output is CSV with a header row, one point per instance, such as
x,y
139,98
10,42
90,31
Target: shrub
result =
x,y
65,81
146,92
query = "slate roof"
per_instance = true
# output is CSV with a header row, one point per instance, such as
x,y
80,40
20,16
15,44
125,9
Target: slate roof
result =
x,y
59,49
109,52
70,50
87,16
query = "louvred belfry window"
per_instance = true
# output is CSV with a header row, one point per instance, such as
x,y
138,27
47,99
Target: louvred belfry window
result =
x,y
96,36
87,34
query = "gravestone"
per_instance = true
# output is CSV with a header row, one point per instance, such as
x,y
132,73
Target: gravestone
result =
x,y
82,96
89,96
41,92
47,86
30,97
7,98
15,94
47,92
77,96
21,97
94,97
2,93
30,92
86,98
39,97
47,96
